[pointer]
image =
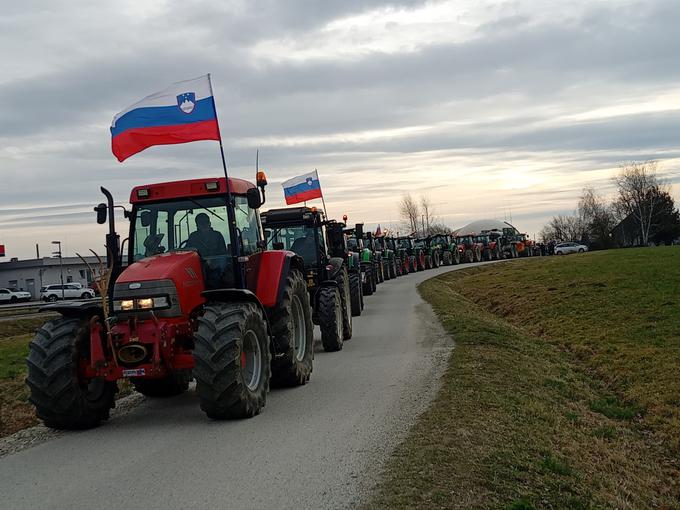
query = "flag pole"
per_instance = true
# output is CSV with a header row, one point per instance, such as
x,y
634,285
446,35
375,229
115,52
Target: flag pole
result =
x,y
325,211
236,249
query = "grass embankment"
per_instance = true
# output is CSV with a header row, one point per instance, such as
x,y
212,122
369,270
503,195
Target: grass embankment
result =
x,y
562,392
15,411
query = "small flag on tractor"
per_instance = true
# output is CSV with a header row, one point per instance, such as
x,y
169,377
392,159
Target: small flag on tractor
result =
x,y
183,112
302,188
2,250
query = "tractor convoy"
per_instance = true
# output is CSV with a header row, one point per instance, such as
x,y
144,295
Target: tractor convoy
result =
x,y
204,287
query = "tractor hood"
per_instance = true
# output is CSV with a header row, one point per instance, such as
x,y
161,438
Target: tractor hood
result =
x,y
179,266
176,274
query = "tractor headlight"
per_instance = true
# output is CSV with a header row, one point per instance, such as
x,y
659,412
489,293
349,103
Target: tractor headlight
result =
x,y
152,303
124,305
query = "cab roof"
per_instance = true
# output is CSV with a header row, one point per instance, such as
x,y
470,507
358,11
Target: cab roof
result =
x,y
189,188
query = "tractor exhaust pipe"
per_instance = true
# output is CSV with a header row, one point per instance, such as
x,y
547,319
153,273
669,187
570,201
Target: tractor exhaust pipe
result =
x,y
132,354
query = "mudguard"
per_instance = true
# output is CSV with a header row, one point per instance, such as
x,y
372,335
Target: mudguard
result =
x,y
267,273
75,308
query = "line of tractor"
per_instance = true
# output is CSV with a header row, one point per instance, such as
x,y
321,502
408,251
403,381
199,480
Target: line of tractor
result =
x,y
203,287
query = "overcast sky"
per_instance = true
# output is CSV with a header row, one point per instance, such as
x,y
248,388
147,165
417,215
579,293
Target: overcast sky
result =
x,y
491,108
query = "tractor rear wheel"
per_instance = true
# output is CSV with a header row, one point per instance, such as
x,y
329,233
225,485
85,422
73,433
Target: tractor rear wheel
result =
x,y
368,282
355,292
64,399
232,360
436,261
293,333
446,259
455,257
343,282
330,318
169,386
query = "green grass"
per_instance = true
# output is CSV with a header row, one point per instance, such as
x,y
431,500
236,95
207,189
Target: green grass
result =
x,y
562,392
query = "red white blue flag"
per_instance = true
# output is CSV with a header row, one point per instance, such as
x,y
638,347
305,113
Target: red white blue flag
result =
x,y
302,188
183,112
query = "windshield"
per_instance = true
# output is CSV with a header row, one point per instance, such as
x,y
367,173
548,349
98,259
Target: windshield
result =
x,y
405,243
299,239
353,244
194,223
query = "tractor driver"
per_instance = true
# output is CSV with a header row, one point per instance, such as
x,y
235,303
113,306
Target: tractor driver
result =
x,y
208,242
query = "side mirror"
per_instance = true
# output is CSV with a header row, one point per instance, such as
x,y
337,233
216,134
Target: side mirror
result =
x,y
254,198
101,211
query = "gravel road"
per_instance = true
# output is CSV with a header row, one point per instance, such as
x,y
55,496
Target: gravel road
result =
x,y
318,446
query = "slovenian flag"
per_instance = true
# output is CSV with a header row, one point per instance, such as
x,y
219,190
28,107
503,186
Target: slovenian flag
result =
x,y
184,112
302,188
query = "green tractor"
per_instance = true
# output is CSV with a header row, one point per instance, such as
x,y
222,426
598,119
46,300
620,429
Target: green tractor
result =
x,y
338,247
303,230
447,248
388,257
362,244
423,254
412,256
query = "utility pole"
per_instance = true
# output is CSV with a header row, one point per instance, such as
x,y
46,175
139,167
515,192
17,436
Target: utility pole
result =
x,y
61,266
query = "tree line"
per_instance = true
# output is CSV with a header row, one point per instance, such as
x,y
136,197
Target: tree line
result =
x,y
643,212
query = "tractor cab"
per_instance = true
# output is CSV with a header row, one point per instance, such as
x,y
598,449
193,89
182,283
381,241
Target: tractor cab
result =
x,y
172,218
301,230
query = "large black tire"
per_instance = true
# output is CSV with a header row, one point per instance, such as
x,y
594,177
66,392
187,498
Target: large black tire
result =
x,y
368,285
469,256
227,333
355,292
169,386
330,318
343,282
455,257
381,272
293,335
61,399
487,255
446,259
436,261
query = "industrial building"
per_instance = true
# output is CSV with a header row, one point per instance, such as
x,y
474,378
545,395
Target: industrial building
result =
x,y
30,275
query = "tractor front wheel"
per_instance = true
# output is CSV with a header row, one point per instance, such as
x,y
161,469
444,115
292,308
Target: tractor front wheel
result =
x,y
63,398
330,318
232,360
169,386
293,333
436,261
355,291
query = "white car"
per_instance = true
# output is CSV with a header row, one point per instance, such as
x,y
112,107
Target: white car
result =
x,y
14,296
70,291
565,248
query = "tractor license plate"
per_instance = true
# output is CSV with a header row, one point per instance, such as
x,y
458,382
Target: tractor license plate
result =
x,y
134,372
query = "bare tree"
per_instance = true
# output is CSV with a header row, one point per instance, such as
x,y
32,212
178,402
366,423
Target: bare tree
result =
x,y
426,213
563,228
640,194
410,211
597,218
438,228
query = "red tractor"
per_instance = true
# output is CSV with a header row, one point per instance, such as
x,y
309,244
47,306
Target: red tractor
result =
x,y
470,251
208,303
491,249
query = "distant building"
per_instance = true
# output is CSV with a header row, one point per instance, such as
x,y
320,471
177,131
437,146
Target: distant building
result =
x,y
477,226
31,275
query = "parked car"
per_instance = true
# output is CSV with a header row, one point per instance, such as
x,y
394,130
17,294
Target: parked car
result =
x,y
565,248
14,295
71,291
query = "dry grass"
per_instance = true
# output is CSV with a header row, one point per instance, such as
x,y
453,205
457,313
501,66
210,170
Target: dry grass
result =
x,y
546,403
